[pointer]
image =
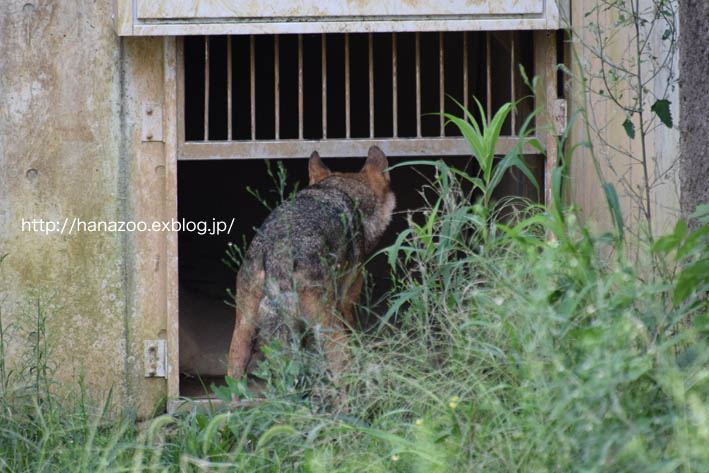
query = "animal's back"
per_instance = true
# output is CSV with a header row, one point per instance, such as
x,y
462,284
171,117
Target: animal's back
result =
x,y
307,237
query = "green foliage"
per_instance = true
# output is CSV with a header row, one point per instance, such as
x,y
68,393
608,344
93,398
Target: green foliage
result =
x,y
691,255
614,206
280,181
516,340
629,128
482,140
591,366
284,375
661,108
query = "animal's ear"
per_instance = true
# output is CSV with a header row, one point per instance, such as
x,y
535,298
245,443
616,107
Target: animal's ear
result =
x,y
376,163
317,169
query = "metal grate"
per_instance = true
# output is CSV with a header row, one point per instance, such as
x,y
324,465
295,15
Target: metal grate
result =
x,y
261,96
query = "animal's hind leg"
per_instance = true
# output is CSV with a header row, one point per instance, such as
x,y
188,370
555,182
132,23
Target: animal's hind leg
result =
x,y
317,305
249,291
351,297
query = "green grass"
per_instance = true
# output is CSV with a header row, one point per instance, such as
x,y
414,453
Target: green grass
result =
x,y
515,341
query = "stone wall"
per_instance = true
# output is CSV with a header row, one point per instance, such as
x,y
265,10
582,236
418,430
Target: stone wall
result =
x,y
694,103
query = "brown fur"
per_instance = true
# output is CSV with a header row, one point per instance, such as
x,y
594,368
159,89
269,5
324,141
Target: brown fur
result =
x,y
303,266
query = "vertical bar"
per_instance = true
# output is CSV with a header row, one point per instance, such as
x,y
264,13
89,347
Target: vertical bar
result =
x,y
544,60
418,84
465,72
512,83
173,78
180,81
206,88
229,118
442,81
347,85
394,96
300,86
371,86
488,68
277,85
252,71
323,84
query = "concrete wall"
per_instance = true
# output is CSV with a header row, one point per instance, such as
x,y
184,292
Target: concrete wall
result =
x,y
694,103
68,148
617,155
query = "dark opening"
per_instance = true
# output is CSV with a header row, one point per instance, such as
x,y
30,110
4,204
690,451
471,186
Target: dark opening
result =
x,y
241,86
211,191
312,92
194,87
265,97
264,83
560,45
217,191
335,55
383,101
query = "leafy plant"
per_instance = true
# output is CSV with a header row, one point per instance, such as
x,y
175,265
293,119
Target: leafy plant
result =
x,y
691,254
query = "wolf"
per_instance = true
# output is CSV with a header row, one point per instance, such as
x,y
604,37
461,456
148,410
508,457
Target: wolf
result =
x,y
303,267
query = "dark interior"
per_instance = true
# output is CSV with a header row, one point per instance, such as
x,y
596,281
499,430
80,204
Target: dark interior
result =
x,y
217,190
501,73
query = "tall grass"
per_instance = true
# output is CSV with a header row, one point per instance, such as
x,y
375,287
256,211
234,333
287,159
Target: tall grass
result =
x,y
515,341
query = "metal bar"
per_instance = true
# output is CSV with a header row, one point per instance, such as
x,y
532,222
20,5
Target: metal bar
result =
x,y
206,88
277,85
488,68
418,84
347,85
371,86
300,86
180,72
173,77
513,115
340,147
465,73
229,99
394,92
442,81
323,84
252,71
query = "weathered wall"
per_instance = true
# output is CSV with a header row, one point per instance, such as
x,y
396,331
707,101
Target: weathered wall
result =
x,y
694,103
68,119
606,119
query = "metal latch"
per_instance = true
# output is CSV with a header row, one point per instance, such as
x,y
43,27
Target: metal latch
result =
x,y
155,358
